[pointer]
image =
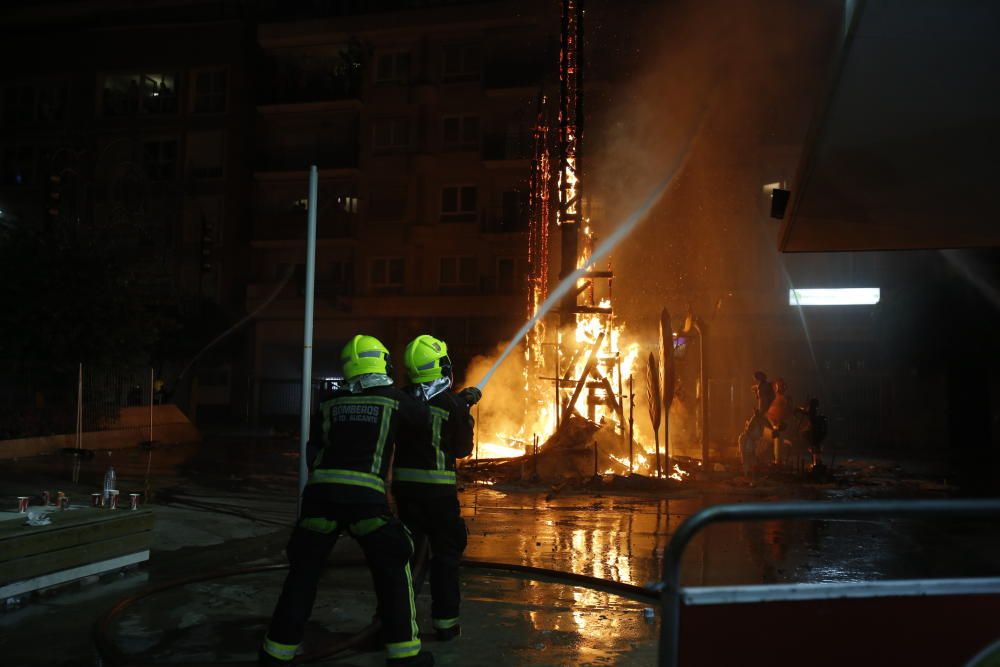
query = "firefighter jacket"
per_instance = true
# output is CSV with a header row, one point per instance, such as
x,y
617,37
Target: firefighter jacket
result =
x,y
359,434
425,460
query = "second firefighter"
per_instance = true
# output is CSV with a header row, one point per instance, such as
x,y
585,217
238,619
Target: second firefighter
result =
x,y
424,474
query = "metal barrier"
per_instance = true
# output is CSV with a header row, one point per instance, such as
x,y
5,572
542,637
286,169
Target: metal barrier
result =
x,y
881,509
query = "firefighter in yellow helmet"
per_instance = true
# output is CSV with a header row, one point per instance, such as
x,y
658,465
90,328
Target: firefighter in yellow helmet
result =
x,y
424,473
346,492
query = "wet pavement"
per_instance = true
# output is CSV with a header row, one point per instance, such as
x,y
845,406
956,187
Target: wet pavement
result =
x,y
530,622
229,504
623,539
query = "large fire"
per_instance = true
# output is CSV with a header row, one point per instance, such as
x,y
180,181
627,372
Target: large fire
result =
x,y
578,364
598,350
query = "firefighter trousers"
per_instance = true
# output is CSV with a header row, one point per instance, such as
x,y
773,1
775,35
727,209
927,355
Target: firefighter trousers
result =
x,y
439,519
387,547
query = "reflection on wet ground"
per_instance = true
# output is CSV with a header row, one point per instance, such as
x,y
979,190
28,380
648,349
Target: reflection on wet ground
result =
x,y
231,502
507,620
614,537
624,538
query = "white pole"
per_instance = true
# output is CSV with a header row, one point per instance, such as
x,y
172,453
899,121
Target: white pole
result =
x,y
151,381
79,423
307,343
79,407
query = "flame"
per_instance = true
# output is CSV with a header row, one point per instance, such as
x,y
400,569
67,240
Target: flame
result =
x,y
678,474
603,400
593,355
492,450
621,461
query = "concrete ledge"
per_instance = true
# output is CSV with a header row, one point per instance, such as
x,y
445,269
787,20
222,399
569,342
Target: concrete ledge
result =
x,y
72,574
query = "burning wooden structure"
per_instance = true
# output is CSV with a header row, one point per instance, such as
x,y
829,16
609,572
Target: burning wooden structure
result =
x,y
594,369
575,366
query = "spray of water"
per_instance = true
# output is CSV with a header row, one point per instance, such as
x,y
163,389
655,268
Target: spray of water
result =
x,y
601,251
973,275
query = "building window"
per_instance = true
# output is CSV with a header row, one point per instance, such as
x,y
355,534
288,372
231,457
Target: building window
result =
x,y
458,274
51,103
458,203
506,275
210,91
514,211
342,277
347,203
386,273
160,159
27,103
454,330
387,200
205,154
393,67
461,63
131,94
460,132
391,134
18,104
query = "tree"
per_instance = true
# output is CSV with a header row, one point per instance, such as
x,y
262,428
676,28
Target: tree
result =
x,y
66,298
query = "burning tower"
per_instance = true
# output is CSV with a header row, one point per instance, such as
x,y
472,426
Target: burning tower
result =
x,y
591,383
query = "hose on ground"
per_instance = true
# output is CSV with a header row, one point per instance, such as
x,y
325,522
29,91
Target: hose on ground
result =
x,y
113,657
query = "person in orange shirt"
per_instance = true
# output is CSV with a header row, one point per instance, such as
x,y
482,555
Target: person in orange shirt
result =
x,y
778,415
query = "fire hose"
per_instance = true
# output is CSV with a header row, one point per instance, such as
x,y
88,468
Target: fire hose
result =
x,y
113,657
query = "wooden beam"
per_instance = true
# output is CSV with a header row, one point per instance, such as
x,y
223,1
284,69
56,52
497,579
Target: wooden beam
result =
x,y
591,358
64,559
21,541
592,309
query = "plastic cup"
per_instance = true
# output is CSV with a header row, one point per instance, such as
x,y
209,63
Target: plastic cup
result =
x,y
113,499
133,499
22,504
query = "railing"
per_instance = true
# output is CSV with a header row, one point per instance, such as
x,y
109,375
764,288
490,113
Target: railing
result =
x,y
497,223
84,400
299,159
509,74
878,509
293,85
282,225
507,146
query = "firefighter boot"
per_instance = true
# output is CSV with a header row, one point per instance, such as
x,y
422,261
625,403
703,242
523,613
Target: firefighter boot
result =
x,y
447,634
265,659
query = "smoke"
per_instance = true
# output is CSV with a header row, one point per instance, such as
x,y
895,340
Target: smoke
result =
x,y
505,407
727,89
749,76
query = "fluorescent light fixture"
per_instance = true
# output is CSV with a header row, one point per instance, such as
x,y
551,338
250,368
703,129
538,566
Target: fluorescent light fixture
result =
x,y
769,188
843,296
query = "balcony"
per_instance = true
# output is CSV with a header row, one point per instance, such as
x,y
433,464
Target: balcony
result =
x,y
288,84
269,227
299,158
498,221
336,295
507,146
513,75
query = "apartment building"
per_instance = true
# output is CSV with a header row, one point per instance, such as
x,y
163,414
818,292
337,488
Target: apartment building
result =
x,y
420,123
134,121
